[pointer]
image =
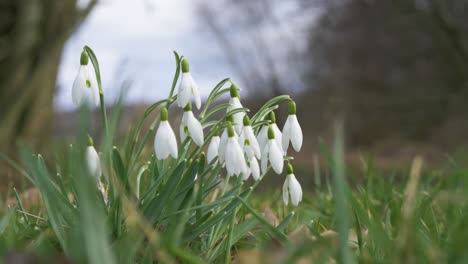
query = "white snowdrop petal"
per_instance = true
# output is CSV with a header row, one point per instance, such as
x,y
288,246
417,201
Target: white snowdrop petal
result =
x,y
296,133
196,93
182,131
165,143
286,191
254,169
77,89
249,134
231,158
94,89
238,117
286,137
264,160
195,129
295,190
213,148
278,137
275,156
160,146
172,143
93,162
185,90
222,146
247,174
262,137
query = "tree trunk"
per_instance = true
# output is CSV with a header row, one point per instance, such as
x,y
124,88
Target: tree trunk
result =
x,y
32,37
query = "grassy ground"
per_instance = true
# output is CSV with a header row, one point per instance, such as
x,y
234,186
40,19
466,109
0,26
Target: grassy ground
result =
x,y
404,216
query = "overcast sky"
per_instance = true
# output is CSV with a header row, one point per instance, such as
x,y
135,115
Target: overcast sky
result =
x,y
135,39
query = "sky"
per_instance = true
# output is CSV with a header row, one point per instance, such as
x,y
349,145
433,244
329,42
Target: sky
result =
x,y
134,40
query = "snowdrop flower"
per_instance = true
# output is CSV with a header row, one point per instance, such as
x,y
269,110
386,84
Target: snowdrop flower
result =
x,y
262,136
223,140
252,169
187,88
292,130
190,126
234,103
213,148
85,89
271,152
235,161
165,142
291,187
248,140
93,163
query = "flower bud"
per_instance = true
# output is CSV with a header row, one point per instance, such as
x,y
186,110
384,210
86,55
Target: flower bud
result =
x,y
289,169
230,118
90,141
164,114
246,121
272,117
185,66
188,107
292,107
230,131
271,133
234,91
84,59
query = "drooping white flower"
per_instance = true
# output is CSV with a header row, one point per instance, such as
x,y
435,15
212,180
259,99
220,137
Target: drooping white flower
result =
x,y
165,142
248,140
93,162
292,131
190,126
85,89
223,140
234,103
213,148
235,160
291,188
272,153
187,88
252,169
262,137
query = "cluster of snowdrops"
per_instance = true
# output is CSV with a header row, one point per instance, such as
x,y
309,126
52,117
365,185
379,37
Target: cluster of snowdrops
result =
x,y
243,148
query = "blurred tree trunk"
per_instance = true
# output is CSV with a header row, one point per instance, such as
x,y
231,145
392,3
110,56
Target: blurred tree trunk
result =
x,y
32,37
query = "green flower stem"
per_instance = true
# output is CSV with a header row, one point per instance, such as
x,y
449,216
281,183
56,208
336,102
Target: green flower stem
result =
x,y
231,226
280,235
95,62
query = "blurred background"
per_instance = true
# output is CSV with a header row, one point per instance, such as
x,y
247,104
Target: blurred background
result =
x,y
395,71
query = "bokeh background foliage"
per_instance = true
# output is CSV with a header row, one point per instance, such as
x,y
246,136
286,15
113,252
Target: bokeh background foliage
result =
x,y
394,71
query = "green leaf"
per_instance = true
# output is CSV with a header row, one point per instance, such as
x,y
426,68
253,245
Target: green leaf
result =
x,y
6,219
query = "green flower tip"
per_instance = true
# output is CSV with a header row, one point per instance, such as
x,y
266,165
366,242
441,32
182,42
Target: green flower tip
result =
x,y
90,141
164,114
292,107
230,118
234,91
289,169
202,158
247,142
185,66
188,107
246,121
271,133
84,59
272,117
230,131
